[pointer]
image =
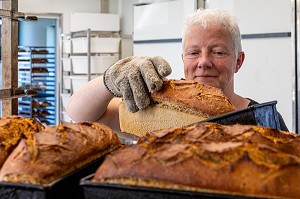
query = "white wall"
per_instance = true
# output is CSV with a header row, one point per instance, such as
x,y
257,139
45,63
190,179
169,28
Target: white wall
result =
x,y
161,34
267,72
125,10
64,7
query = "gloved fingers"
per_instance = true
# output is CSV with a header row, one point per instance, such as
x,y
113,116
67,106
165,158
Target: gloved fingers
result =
x,y
150,75
162,66
139,89
122,62
120,68
114,75
128,96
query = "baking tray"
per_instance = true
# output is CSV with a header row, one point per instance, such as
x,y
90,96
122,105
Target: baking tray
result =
x,y
63,188
98,190
264,114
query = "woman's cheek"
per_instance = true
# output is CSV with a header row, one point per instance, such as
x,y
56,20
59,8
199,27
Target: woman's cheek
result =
x,y
187,72
190,66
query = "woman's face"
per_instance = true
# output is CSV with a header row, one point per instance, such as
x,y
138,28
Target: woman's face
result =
x,y
209,57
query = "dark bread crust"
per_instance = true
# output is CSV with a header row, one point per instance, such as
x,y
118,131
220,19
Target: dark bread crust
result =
x,y
57,151
244,160
192,97
12,129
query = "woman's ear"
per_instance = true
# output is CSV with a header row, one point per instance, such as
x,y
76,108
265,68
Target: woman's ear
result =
x,y
240,61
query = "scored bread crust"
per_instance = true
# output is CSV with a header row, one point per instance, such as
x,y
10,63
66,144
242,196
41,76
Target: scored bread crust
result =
x,y
12,129
177,103
57,151
233,159
192,97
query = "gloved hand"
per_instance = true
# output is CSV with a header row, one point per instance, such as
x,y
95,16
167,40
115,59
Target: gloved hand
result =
x,y
133,78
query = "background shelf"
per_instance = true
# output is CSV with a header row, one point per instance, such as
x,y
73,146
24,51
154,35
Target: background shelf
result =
x,y
37,70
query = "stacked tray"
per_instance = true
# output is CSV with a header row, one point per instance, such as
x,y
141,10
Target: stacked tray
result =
x,y
66,187
97,190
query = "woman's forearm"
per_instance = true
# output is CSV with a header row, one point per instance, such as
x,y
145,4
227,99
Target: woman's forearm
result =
x,y
89,102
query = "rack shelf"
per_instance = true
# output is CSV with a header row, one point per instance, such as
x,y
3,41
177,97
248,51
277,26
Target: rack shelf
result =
x,y
85,55
37,70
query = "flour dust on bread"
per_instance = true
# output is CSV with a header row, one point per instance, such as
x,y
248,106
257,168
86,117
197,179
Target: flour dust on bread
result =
x,y
209,157
57,151
177,103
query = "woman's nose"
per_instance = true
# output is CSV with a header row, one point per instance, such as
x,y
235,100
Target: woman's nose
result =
x,y
204,61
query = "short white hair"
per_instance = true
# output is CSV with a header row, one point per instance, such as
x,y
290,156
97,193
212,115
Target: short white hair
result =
x,y
209,17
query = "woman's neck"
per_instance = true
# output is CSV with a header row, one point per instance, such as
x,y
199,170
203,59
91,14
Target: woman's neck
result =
x,y
238,101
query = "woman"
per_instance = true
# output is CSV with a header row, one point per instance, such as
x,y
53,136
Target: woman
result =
x,y
212,54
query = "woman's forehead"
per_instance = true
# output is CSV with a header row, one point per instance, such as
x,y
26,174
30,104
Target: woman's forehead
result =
x,y
212,33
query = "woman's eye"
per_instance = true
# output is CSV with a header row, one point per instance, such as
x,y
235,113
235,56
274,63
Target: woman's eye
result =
x,y
219,53
192,54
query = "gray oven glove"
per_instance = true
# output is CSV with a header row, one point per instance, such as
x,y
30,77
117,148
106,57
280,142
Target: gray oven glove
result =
x,y
133,78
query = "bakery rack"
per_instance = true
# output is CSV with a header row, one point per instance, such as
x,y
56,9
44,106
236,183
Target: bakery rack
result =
x,y
85,54
6,94
37,71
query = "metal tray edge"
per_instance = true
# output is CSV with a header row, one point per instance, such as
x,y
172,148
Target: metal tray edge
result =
x,y
86,181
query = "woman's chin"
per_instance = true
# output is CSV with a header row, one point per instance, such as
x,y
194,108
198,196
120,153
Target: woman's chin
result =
x,y
210,83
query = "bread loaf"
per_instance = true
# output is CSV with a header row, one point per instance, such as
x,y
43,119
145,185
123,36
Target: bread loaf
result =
x,y
35,104
57,151
207,157
177,103
46,103
12,129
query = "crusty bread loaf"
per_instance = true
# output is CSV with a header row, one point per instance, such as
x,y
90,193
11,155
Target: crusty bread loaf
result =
x,y
209,157
57,151
177,103
12,129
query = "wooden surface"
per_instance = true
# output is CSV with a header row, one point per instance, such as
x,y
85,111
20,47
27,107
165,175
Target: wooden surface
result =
x,y
9,55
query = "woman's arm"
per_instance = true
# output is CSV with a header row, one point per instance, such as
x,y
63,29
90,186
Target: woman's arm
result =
x,y
93,102
131,78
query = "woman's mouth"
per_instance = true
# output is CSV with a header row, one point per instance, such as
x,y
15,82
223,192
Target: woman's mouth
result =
x,y
208,79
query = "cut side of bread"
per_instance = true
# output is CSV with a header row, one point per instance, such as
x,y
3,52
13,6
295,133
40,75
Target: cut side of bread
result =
x,y
154,118
176,104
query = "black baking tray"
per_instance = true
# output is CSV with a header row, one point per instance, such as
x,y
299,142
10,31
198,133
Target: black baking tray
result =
x,y
98,190
63,188
264,114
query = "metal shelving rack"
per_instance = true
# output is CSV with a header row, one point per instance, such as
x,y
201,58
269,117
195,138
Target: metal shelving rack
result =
x,y
37,71
68,53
